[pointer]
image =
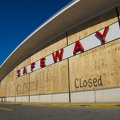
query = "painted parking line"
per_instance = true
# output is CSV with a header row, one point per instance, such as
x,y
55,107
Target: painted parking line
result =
x,y
97,105
7,109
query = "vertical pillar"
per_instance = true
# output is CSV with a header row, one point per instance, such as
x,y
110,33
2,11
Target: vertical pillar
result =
x,y
118,13
68,72
29,88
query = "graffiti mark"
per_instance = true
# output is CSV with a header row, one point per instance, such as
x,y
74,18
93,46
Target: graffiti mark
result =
x,y
27,87
79,83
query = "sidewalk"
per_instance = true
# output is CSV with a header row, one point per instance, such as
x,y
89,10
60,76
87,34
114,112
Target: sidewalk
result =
x,y
100,105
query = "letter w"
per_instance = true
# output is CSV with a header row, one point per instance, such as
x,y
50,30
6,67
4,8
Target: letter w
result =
x,y
59,55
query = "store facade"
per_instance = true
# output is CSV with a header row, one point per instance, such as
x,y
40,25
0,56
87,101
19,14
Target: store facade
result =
x,y
72,57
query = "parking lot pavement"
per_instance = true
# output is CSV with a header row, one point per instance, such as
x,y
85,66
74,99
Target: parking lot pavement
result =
x,y
34,112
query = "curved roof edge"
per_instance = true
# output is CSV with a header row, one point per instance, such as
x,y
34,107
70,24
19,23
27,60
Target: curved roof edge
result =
x,y
77,11
41,26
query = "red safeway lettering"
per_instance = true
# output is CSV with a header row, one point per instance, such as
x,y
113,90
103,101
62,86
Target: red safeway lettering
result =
x,y
24,70
58,55
102,36
78,47
32,66
18,73
42,62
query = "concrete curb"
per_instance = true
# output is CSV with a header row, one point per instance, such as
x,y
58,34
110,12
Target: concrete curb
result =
x,y
94,105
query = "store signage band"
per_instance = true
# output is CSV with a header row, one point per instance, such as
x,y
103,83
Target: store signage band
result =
x,y
105,35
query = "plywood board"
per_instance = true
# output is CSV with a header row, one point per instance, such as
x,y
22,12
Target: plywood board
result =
x,y
34,83
10,84
24,63
3,86
22,85
96,69
54,78
92,26
2,94
51,47
14,74
10,89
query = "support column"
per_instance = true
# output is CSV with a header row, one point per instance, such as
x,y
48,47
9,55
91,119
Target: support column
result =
x,y
68,72
118,13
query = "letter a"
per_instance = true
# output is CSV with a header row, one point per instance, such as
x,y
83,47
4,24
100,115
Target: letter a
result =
x,y
24,70
78,47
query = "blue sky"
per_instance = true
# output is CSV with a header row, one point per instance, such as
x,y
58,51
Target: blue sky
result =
x,y
19,18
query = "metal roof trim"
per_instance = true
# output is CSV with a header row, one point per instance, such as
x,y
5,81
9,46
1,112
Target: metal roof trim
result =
x,y
42,25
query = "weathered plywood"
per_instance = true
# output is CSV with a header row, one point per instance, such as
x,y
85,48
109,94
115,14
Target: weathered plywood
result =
x,y
96,69
51,47
10,84
10,89
92,26
14,74
3,86
54,78
34,83
24,63
22,83
23,86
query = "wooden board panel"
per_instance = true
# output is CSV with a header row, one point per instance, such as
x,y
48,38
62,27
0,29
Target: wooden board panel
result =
x,y
3,86
51,47
10,89
6,81
34,82
10,84
24,63
14,74
22,85
92,26
54,78
96,69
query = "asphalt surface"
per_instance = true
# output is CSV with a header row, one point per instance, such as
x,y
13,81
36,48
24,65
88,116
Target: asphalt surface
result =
x,y
27,112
